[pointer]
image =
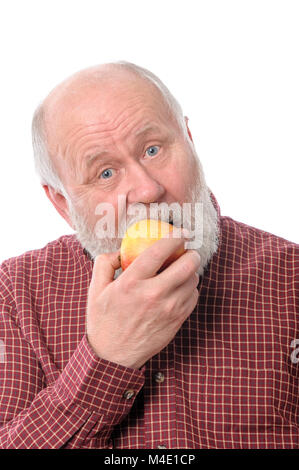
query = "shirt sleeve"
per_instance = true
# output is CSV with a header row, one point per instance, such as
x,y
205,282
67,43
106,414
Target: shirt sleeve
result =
x,y
79,410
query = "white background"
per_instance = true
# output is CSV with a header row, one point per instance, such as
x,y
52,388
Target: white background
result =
x,y
233,65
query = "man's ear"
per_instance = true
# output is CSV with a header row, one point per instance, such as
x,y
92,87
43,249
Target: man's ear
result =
x,y
59,202
188,130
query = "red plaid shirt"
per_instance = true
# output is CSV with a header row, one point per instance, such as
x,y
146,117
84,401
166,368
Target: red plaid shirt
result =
x,y
227,380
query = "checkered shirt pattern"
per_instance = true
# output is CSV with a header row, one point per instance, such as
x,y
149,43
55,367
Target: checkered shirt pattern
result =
x,y
227,379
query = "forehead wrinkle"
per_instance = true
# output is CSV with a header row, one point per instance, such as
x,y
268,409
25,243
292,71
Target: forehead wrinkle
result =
x,y
143,130
123,119
77,158
146,129
89,160
122,123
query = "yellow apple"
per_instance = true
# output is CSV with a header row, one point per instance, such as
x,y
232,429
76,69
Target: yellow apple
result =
x,y
140,236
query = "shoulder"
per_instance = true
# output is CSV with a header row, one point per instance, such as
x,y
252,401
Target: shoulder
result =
x,y
257,245
36,263
66,245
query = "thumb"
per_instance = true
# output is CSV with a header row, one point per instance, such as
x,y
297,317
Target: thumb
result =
x,y
104,269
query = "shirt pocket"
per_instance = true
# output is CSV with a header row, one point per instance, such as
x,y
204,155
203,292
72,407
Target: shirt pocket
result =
x,y
244,408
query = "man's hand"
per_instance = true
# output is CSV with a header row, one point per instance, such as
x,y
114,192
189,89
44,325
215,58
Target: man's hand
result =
x,y
132,318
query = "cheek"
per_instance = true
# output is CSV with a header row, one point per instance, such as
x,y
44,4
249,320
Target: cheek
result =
x,y
107,209
181,179
80,197
86,202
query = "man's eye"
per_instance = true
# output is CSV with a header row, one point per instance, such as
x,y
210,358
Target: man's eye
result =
x,y
106,174
152,151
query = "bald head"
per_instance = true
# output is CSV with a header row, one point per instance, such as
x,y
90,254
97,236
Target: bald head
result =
x,y
102,84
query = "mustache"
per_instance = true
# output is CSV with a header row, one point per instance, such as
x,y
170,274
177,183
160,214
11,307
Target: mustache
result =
x,y
173,217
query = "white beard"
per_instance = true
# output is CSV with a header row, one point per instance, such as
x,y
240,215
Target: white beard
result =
x,y
96,243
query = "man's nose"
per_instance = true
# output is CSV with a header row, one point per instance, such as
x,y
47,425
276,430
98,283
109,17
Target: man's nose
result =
x,y
143,187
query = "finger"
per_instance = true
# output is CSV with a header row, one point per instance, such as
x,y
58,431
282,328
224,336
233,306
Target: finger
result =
x,y
148,263
179,271
104,269
192,302
189,306
182,293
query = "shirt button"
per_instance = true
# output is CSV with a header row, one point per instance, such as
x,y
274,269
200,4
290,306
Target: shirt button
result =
x,y
159,377
128,394
161,446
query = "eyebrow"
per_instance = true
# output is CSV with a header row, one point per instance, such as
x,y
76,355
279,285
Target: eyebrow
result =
x,y
146,130
89,160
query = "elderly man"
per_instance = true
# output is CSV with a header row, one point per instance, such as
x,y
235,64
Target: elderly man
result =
x,y
198,355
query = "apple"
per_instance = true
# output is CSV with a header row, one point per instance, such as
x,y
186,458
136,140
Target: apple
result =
x,y
140,236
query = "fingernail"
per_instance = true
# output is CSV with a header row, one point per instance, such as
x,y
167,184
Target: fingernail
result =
x,y
196,256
